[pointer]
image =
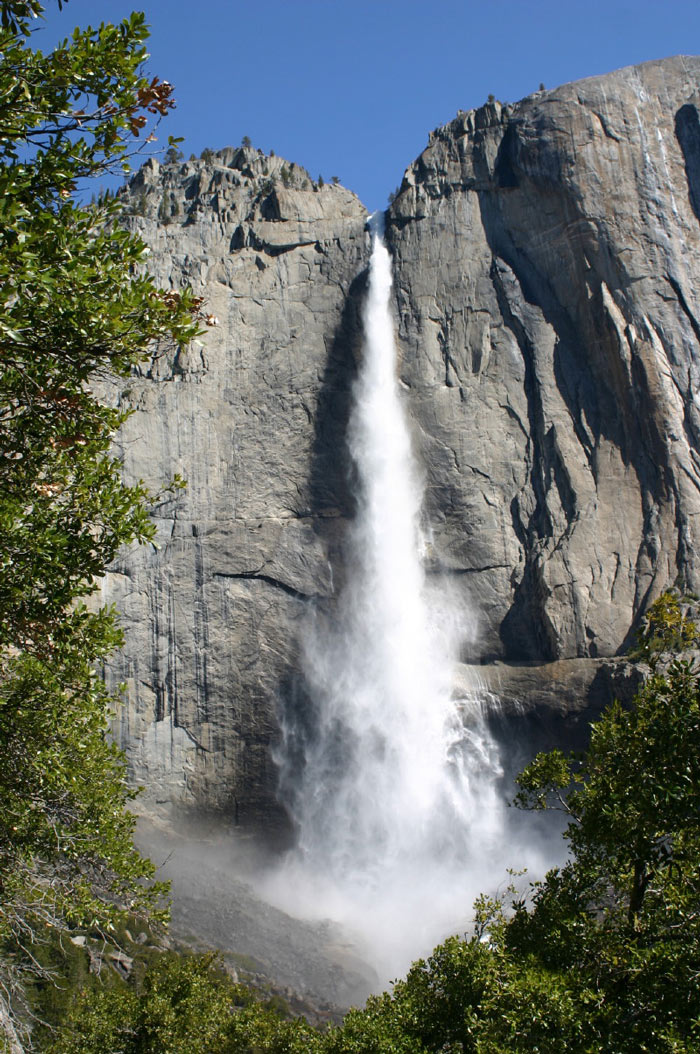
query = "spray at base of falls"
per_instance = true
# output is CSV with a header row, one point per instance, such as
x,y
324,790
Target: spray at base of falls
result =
x,y
401,823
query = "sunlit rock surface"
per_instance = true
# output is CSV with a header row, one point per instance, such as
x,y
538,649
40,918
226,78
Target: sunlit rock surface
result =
x,y
548,268
547,263
252,417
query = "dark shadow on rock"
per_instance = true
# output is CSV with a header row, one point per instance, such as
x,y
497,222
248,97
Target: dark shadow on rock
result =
x,y
522,629
617,681
331,505
588,373
308,738
332,482
298,718
330,492
505,166
687,125
522,736
544,727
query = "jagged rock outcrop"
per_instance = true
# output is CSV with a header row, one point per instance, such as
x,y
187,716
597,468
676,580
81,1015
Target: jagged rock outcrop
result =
x,y
547,258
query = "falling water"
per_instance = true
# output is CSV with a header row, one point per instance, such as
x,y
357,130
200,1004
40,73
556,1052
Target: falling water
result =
x,y
400,819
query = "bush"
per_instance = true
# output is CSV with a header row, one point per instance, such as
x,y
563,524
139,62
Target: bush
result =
x,y
182,1005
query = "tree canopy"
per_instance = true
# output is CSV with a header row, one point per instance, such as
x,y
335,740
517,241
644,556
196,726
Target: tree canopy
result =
x,y
75,301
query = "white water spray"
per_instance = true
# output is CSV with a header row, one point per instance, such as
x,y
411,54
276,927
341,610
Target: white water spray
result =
x,y
401,822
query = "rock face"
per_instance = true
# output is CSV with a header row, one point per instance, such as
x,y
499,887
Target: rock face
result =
x,y
548,263
547,257
252,418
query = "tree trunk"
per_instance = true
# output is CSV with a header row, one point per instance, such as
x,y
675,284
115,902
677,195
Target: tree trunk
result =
x,y
8,1030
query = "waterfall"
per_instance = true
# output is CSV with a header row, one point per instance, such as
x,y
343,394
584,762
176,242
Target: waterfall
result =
x,y
400,819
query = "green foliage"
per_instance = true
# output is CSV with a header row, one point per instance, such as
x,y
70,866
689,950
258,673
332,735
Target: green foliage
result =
x,y
544,781
14,14
246,141
141,206
467,997
603,955
182,1005
169,208
74,963
74,303
207,155
667,627
624,914
164,209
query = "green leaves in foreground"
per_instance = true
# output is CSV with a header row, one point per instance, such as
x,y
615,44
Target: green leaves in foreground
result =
x,y
75,305
183,1005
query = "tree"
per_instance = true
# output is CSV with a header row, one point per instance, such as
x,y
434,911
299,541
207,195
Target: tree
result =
x,y
667,628
625,912
74,302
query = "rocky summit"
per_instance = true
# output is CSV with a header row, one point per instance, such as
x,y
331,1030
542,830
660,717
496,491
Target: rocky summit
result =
x,y
546,269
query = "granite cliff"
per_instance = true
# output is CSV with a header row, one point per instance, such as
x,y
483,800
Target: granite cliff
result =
x,y
547,257
548,265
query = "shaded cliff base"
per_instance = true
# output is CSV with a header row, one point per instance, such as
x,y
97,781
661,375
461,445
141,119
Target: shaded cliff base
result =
x,y
215,872
542,706
556,700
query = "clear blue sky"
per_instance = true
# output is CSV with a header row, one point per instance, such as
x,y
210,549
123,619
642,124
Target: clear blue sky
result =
x,y
352,87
